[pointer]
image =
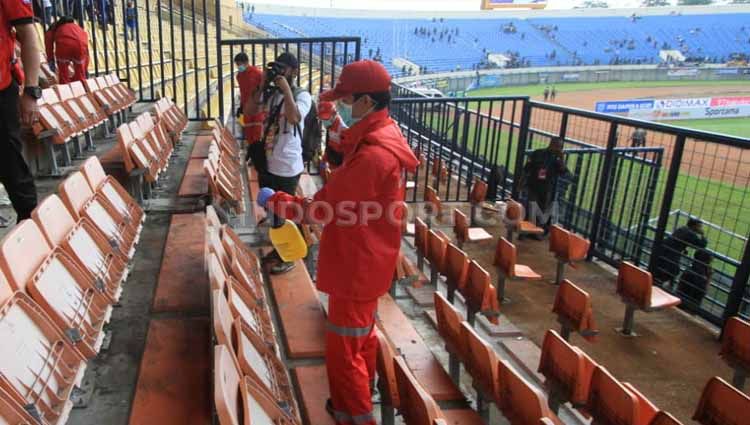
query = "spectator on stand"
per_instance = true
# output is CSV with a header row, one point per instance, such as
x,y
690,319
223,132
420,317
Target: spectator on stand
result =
x,y
540,175
131,19
673,247
67,45
250,79
695,280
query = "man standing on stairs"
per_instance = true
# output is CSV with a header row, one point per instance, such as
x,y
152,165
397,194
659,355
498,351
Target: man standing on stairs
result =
x,y
250,79
17,111
362,207
67,44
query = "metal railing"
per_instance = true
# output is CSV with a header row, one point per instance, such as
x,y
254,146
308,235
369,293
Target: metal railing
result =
x,y
618,194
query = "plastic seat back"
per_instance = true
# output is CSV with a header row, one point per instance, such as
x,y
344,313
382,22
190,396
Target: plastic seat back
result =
x,y
634,285
386,371
573,307
646,409
436,250
420,236
75,192
664,418
227,379
480,295
520,402
216,274
53,219
610,402
94,173
481,361
456,267
460,225
125,141
212,219
722,404
11,413
478,192
559,241
565,369
513,212
416,405
505,257
6,291
578,247
433,205
449,325
222,319
22,252
735,343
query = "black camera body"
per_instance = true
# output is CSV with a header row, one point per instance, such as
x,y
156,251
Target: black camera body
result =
x,y
273,70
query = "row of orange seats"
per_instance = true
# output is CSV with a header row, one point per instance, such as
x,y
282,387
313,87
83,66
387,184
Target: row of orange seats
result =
x,y
250,380
224,169
60,274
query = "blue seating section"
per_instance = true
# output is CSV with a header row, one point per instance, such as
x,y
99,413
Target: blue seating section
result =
x,y
535,42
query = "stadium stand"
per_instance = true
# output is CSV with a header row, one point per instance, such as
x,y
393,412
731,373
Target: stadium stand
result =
x,y
462,44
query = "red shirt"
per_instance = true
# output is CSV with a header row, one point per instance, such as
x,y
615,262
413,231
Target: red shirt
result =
x,y
12,13
248,80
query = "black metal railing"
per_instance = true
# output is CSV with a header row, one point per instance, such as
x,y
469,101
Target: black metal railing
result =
x,y
626,198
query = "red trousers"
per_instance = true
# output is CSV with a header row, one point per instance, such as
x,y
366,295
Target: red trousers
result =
x,y
71,54
351,350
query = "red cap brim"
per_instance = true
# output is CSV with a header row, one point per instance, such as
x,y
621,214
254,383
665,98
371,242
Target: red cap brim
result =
x,y
331,95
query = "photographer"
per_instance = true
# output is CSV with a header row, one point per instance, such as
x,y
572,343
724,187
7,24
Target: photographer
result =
x,y
286,107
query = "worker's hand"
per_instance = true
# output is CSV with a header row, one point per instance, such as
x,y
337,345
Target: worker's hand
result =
x,y
282,84
29,111
264,195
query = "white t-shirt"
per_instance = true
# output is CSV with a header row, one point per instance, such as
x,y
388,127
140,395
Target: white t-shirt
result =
x,y
286,158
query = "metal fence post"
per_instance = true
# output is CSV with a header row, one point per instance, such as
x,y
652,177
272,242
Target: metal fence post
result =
x,y
219,69
523,136
602,189
739,286
667,197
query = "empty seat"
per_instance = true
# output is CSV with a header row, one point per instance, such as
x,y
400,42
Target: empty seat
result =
x,y
464,233
449,320
38,367
11,412
245,266
477,198
239,400
480,295
85,244
505,260
722,404
610,402
636,289
574,312
252,353
481,363
57,285
567,248
520,402
436,246
515,223
567,371
81,201
735,349
433,206
387,385
111,189
646,409
420,241
456,270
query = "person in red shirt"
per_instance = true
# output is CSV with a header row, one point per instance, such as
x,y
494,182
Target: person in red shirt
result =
x,y
17,109
250,78
362,205
67,44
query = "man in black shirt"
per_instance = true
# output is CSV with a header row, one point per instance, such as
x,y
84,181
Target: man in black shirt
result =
x,y
667,266
540,176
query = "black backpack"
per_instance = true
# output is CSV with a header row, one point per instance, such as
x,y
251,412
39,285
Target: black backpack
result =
x,y
312,134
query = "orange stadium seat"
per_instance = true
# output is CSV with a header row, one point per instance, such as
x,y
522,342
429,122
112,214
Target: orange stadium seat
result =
x,y
505,260
516,223
456,270
420,242
481,362
58,286
567,371
611,402
111,189
664,418
436,246
11,412
387,385
464,233
636,289
735,349
480,295
85,244
646,409
433,205
38,367
476,198
574,312
567,248
238,399
519,401
722,404
449,320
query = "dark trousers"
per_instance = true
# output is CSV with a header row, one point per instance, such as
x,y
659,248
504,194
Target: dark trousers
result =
x,y
256,152
14,172
279,184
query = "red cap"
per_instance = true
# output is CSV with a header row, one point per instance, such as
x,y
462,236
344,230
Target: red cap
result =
x,y
326,110
364,76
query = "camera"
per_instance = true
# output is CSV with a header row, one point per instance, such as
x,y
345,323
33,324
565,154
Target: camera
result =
x,y
273,70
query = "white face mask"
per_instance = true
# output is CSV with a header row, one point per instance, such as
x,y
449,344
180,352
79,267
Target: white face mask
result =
x,y
345,112
366,113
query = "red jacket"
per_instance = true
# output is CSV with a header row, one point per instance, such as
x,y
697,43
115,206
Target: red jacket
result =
x,y
67,41
357,261
250,81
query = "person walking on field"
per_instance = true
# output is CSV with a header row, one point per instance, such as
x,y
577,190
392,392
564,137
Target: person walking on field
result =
x,y
553,93
357,259
546,93
67,44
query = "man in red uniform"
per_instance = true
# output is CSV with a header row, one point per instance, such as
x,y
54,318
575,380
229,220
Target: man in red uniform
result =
x,y
67,44
250,78
14,172
361,241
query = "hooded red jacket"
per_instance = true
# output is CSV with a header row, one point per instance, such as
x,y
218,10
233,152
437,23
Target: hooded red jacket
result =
x,y
357,257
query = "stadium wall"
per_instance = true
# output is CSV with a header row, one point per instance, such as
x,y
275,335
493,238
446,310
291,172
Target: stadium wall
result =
x,y
457,83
